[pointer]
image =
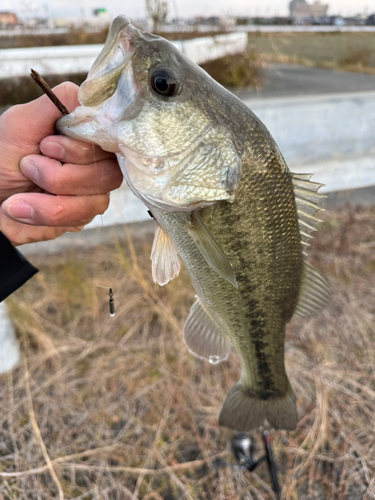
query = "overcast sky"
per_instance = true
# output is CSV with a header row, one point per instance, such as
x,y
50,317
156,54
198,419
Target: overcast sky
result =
x,y
186,8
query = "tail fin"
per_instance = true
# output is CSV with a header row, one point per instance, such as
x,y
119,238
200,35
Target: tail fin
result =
x,y
243,412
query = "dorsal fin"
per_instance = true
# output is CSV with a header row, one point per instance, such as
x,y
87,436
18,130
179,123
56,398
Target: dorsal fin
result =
x,y
307,201
165,261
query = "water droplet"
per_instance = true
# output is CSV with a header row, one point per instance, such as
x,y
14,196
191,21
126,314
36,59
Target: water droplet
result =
x,y
214,360
112,314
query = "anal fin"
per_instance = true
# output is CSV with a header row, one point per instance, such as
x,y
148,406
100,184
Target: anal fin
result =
x,y
165,261
204,337
210,249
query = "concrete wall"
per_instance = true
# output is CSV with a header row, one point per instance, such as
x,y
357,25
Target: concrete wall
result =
x,y
332,136
79,58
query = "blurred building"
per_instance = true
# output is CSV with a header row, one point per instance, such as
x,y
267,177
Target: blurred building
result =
x,y
100,12
8,19
300,9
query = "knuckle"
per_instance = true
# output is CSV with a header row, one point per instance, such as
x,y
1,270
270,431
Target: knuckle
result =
x,y
11,114
57,214
51,183
77,153
67,88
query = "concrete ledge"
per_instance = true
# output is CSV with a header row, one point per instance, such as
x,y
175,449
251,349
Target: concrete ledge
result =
x,y
79,58
89,238
363,196
311,129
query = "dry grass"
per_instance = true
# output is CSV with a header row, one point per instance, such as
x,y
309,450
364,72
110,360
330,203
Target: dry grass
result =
x,y
336,50
24,89
115,408
237,71
72,37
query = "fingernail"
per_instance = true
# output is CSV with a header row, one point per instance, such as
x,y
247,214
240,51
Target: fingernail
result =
x,y
30,170
53,149
20,210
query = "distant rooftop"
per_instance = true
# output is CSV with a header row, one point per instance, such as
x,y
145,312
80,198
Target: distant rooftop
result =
x,y
300,9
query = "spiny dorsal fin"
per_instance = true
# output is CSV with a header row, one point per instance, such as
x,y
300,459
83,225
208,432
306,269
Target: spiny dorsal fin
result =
x,y
210,249
165,261
204,337
307,201
314,294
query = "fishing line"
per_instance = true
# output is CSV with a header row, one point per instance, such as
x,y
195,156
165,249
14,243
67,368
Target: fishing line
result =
x,y
179,31
111,302
109,288
63,110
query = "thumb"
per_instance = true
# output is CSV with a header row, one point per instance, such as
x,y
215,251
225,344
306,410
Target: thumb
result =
x,y
27,124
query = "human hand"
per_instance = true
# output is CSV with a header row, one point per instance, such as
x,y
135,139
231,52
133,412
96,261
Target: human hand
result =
x,y
45,196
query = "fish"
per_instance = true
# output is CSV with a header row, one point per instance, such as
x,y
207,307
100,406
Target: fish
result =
x,y
225,205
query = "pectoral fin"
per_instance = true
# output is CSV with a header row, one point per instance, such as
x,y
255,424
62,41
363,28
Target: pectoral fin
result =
x,y
211,171
203,336
315,294
165,261
210,249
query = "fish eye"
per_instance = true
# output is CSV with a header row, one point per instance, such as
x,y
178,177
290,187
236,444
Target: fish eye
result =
x,y
163,84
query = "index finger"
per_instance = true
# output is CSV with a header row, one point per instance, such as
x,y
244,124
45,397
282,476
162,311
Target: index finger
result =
x,y
69,150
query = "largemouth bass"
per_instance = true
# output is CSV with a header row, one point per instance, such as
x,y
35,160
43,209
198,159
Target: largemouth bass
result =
x,y
225,204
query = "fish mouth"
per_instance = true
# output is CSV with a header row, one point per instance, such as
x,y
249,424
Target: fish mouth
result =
x,y
103,77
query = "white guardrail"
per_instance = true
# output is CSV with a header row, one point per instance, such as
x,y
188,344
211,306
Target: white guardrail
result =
x,y
79,58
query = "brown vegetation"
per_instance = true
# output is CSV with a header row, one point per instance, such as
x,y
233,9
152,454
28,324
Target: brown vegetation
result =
x,y
23,89
237,71
71,37
116,408
333,50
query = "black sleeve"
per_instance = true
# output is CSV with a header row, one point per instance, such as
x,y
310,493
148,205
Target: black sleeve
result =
x,y
15,270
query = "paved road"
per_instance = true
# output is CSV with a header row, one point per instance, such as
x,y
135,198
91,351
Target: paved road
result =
x,y
288,80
